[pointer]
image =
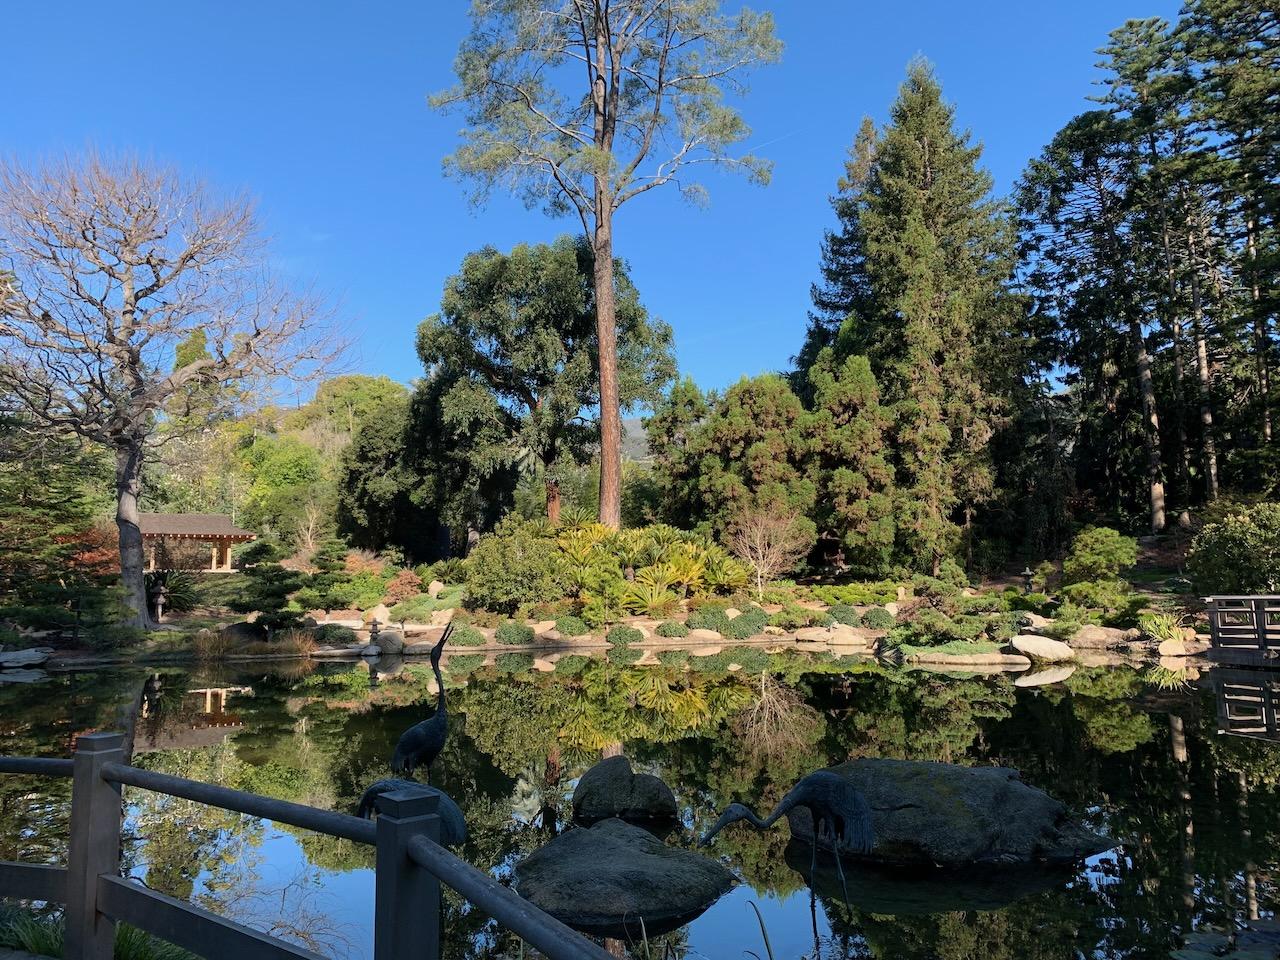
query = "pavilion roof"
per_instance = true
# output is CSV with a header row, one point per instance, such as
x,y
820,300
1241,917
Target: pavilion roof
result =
x,y
196,526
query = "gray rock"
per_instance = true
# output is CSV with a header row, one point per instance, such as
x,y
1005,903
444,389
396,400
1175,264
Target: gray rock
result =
x,y
390,641
611,789
370,650
1093,637
940,813
244,632
1034,620
608,878
1043,678
1042,648
22,676
434,589
24,658
380,612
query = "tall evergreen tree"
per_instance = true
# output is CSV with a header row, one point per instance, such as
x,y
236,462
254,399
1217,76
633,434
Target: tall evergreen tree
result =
x,y
850,437
935,257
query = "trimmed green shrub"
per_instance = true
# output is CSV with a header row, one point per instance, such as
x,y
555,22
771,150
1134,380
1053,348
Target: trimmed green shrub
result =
x,y
514,633
518,564
1239,554
333,633
676,659
716,663
794,617
514,663
624,654
571,626
672,629
709,617
878,618
621,635
467,636
1098,553
741,628
856,594
750,659
571,665
461,664
844,613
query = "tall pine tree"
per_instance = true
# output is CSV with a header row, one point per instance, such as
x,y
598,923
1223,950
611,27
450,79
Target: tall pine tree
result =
x,y
933,253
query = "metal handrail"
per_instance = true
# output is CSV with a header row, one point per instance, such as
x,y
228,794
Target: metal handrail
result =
x,y
531,924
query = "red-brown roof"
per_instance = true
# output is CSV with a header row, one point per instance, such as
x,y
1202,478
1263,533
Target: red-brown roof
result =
x,y
194,525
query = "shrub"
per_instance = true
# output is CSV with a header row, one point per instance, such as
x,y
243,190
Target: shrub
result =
x,y
878,618
621,635
334,633
514,633
716,663
793,617
210,645
572,665
672,629
360,591
750,659
624,654
571,626
461,664
1239,554
180,589
518,564
650,599
676,659
514,663
403,586
467,636
1098,553
1160,626
741,628
709,617
843,613
856,594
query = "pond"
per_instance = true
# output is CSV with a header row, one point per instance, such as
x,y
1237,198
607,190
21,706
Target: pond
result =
x,y
1196,812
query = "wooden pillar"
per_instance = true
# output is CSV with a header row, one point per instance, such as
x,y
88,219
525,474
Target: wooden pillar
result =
x,y
406,911
226,554
94,846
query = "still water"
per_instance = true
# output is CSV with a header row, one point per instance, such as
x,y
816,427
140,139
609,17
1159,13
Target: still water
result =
x,y
1195,810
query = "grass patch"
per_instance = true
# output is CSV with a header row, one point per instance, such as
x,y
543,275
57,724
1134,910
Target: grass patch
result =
x,y
955,648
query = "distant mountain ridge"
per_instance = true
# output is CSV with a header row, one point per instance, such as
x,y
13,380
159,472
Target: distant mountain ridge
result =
x,y
635,445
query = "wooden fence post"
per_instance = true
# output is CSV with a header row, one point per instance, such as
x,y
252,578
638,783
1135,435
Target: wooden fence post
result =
x,y
406,921
94,846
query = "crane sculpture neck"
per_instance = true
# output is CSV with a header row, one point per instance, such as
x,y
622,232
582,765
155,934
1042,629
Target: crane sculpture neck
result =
x,y
435,667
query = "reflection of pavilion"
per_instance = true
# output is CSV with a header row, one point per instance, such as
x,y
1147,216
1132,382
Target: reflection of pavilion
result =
x,y
201,721
1248,703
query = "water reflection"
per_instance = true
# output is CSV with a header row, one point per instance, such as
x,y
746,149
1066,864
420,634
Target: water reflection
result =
x,y
1196,812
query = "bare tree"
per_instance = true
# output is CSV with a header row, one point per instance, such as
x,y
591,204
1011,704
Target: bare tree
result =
x,y
769,541
586,104
107,264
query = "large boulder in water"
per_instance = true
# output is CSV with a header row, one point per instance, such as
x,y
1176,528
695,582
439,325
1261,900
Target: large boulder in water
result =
x,y
612,789
943,814
606,879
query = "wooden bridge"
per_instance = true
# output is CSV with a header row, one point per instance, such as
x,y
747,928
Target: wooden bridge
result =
x,y
410,868
1245,629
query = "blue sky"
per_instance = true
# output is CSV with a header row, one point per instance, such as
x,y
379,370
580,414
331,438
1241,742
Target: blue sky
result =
x,y
319,110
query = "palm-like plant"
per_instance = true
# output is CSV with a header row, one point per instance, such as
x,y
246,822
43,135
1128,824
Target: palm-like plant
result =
x,y
651,599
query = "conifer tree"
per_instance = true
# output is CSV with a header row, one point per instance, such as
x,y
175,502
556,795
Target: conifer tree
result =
x,y
849,433
936,254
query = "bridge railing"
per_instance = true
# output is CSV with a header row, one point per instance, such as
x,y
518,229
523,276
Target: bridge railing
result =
x,y
1245,628
410,868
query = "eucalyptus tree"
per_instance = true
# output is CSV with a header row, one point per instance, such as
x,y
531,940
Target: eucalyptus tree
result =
x,y
112,265
584,105
516,352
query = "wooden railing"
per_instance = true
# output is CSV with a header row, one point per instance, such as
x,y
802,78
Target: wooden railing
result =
x,y
410,867
1245,629
1248,703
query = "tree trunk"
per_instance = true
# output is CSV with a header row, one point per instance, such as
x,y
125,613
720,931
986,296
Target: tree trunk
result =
x,y
1259,332
607,334
1208,446
1151,423
128,489
553,501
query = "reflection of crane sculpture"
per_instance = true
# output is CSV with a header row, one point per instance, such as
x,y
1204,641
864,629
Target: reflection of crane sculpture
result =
x,y
834,803
421,744
453,826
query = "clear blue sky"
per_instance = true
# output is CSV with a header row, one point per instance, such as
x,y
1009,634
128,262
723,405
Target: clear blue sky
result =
x,y
318,109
